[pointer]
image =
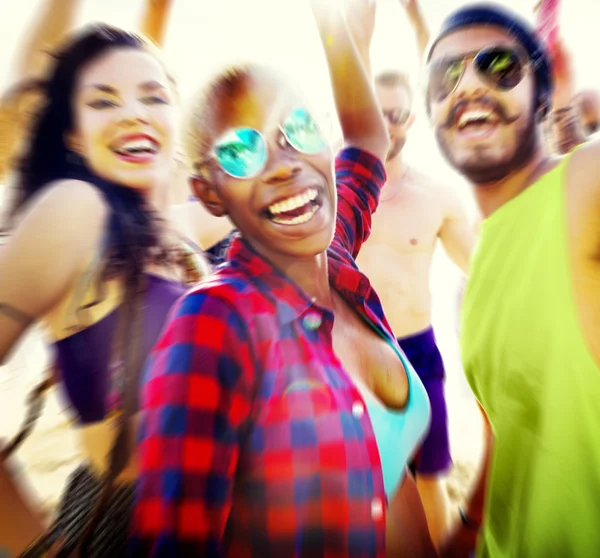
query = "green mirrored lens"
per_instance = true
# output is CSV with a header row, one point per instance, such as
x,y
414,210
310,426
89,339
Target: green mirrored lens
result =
x,y
241,153
302,132
502,66
443,77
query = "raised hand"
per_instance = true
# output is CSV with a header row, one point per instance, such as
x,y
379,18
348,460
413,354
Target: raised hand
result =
x,y
360,18
409,5
418,23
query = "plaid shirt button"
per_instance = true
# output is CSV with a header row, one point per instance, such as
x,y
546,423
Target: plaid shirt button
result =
x,y
376,509
312,321
358,410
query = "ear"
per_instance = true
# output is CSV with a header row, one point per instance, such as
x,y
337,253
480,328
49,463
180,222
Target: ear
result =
x,y
206,192
410,121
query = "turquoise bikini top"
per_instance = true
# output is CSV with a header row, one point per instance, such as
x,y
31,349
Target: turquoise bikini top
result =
x,y
398,433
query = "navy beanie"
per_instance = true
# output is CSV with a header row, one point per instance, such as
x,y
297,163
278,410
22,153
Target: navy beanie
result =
x,y
521,30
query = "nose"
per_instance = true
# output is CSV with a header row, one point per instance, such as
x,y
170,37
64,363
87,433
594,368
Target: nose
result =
x,y
134,112
471,84
283,165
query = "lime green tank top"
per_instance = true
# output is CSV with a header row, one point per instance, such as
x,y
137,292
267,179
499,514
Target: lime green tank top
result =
x,y
528,364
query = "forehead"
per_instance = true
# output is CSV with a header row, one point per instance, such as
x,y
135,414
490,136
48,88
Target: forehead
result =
x,y
122,68
471,39
261,103
394,96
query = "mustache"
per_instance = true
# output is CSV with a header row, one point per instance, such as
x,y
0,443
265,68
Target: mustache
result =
x,y
495,107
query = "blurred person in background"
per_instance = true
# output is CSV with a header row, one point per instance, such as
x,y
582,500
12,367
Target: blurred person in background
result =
x,y
414,213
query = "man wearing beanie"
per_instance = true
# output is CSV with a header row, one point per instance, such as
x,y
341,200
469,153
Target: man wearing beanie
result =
x,y
531,314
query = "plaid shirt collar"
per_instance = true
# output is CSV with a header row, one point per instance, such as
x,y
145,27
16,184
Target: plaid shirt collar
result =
x,y
291,301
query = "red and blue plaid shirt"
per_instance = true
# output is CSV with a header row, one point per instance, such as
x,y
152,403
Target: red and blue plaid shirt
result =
x,y
254,441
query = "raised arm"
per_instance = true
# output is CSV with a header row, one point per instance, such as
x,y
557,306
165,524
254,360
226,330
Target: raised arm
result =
x,y
52,20
419,25
360,18
155,19
358,112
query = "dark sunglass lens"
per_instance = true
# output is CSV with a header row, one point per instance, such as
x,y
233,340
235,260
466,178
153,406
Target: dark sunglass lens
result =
x,y
396,117
502,66
443,77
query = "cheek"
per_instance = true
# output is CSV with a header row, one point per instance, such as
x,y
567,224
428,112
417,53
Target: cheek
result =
x,y
166,123
323,162
237,197
93,131
438,114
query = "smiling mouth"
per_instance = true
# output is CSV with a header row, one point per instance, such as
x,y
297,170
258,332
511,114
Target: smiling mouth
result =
x,y
476,120
137,149
295,210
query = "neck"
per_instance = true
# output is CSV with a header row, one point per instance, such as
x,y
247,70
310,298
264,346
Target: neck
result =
x,y
395,168
310,274
493,195
158,197
395,171
160,193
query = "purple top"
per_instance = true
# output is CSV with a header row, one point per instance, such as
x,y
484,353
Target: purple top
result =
x,y
83,358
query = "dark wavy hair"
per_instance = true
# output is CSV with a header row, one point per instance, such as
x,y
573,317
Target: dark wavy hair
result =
x,y
134,232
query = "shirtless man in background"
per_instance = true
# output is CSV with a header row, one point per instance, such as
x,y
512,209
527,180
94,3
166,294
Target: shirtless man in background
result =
x,y
414,212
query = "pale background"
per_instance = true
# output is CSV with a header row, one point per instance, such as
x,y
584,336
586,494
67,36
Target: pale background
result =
x,y
204,35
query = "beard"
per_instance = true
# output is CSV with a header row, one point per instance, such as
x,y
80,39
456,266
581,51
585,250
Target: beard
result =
x,y
481,171
395,148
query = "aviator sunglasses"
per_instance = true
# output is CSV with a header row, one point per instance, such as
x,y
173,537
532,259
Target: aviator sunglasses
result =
x,y
503,67
243,152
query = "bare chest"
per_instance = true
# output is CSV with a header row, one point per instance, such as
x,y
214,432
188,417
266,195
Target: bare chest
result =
x,y
409,220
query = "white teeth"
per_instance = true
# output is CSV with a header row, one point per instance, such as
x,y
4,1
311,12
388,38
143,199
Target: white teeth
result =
x,y
294,202
296,220
136,146
473,116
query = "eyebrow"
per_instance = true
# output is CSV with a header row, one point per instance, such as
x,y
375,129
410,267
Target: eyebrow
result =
x,y
146,86
103,88
152,85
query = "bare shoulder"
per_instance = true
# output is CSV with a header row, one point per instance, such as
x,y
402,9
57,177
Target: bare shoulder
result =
x,y
69,212
67,198
57,233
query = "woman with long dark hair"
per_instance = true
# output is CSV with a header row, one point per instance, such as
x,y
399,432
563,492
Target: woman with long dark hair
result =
x,y
91,257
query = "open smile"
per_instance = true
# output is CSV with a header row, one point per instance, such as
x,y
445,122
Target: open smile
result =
x,y
295,210
476,123
139,148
